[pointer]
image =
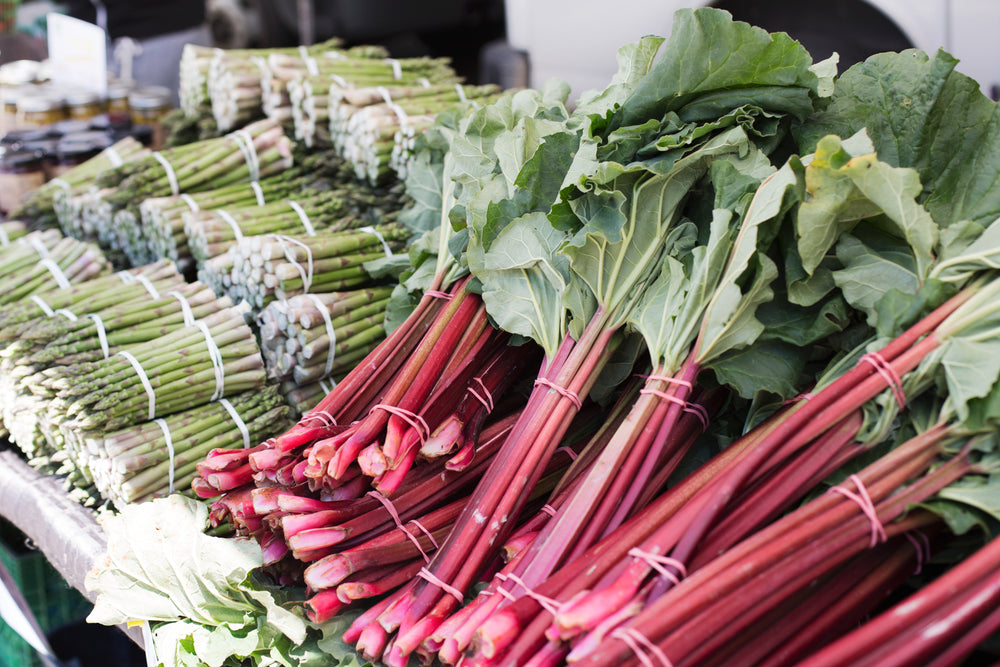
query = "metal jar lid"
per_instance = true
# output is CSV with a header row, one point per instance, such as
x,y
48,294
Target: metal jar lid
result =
x,y
150,97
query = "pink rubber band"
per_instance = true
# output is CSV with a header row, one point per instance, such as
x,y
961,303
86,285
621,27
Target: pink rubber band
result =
x,y
921,546
391,509
699,411
419,526
693,408
411,418
864,501
485,398
547,603
321,415
800,397
429,577
562,391
640,644
889,374
669,380
568,452
438,294
660,564
548,509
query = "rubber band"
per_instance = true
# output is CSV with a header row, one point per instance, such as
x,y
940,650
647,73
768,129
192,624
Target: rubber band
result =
x,y
36,243
921,547
126,277
307,274
331,351
192,204
438,294
189,319
57,273
217,363
102,334
144,379
411,418
144,281
669,380
699,411
46,308
258,192
562,391
114,157
384,92
175,187
640,644
660,564
397,68
424,82
4,238
461,93
310,62
340,81
864,501
547,603
62,183
231,221
310,230
548,509
68,314
391,509
799,397
170,450
429,577
327,384
693,408
321,415
240,424
430,536
568,452
486,398
254,162
889,374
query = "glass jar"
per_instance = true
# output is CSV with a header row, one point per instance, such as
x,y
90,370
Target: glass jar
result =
x,y
20,172
84,104
40,109
8,98
117,103
74,152
147,106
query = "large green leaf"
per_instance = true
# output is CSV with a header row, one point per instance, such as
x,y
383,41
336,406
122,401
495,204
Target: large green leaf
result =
x,y
872,266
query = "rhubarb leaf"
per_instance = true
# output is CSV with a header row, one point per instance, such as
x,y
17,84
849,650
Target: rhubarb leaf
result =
x,y
771,366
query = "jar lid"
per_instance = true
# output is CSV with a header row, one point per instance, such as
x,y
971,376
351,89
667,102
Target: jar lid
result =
x,y
23,160
118,91
39,102
42,147
93,137
62,127
76,98
18,137
150,97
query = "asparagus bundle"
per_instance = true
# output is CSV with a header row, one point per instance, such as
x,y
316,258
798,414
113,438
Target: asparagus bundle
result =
x,y
46,260
260,269
376,128
11,230
155,458
216,357
39,206
305,398
311,337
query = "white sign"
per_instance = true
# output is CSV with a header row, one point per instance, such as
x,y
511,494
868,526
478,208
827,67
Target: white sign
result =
x,y
77,53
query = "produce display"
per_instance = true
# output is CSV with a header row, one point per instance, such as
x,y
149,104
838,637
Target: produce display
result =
x,y
698,369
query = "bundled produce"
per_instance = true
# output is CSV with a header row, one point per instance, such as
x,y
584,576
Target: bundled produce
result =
x,y
40,206
155,458
259,269
41,261
312,337
11,230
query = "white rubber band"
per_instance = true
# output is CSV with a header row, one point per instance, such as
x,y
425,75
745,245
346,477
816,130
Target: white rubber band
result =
x,y
46,308
340,81
306,222
113,156
310,62
231,221
397,68
4,238
57,273
377,234
185,307
68,314
424,81
175,187
144,379
307,274
126,277
244,431
61,182
461,93
258,192
170,450
36,244
254,162
331,352
192,204
102,334
144,281
217,365
327,385
247,158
